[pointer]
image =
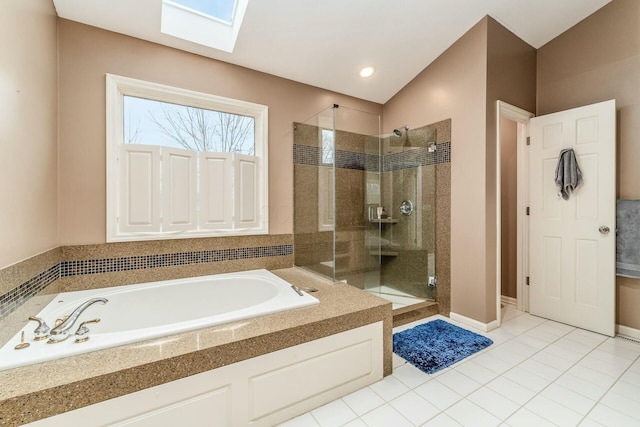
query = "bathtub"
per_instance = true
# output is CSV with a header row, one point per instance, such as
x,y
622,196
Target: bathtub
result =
x,y
150,310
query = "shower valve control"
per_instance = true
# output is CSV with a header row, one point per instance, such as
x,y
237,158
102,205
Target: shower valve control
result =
x,y
406,207
432,281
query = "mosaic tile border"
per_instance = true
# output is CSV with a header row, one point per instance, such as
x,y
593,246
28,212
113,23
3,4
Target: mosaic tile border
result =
x,y
140,262
312,156
417,157
13,299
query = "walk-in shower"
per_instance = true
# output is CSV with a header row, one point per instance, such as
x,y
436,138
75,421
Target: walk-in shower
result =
x,y
365,204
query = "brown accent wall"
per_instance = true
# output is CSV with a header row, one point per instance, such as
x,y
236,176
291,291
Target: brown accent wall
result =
x,y
511,77
596,60
28,130
86,54
487,64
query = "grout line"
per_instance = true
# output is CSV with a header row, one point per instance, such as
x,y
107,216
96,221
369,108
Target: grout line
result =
x,y
598,402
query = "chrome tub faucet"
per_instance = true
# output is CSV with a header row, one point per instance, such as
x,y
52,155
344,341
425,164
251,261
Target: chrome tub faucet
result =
x,y
61,331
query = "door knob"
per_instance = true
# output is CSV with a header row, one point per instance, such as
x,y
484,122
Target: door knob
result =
x,y
603,229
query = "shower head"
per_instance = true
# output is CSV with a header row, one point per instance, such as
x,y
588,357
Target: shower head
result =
x,y
398,132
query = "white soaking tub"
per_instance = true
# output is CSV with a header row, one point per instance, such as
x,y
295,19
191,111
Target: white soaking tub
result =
x,y
150,310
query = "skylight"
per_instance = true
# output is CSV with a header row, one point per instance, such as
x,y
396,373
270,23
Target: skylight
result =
x,y
220,9
212,23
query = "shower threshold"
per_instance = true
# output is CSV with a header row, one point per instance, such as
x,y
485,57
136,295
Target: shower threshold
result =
x,y
398,299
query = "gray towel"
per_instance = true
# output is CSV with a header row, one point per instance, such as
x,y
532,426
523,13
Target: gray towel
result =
x,y
568,174
628,238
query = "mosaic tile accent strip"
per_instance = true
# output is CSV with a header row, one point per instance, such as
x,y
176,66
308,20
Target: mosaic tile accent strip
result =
x,y
18,296
350,160
443,153
312,156
417,157
140,262
13,299
306,155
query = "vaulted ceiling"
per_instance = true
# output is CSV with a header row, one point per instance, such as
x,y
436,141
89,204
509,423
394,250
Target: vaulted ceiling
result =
x,y
325,43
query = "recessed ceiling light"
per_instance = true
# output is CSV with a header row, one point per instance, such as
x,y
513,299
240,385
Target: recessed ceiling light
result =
x,y
367,72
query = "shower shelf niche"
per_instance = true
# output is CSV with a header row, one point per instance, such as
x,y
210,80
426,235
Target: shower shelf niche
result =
x,y
384,221
383,253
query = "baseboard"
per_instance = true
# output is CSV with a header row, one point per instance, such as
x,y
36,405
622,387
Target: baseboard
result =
x,y
628,332
484,327
508,300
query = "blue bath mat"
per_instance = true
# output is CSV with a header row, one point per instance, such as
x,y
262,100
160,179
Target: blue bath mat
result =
x,y
433,346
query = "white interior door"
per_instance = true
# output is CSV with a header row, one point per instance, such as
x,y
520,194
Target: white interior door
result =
x,y
572,242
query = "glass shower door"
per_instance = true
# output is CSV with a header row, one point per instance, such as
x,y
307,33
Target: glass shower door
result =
x,y
407,228
314,193
356,166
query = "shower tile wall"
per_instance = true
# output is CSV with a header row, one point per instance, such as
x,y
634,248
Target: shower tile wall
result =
x,y
443,218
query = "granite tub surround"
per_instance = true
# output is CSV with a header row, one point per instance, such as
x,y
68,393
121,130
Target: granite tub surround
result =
x,y
171,246
113,264
33,392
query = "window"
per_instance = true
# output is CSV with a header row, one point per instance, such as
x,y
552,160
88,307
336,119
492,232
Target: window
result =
x,y
183,164
328,146
326,180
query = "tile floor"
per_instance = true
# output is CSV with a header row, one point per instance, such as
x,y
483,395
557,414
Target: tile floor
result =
x,y
537,373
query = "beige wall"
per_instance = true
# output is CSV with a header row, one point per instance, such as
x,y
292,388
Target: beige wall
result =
x,y
28,130
596,60
509,205
454,86
86,54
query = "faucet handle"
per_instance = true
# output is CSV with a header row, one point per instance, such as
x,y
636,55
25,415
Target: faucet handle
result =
x,y
59,321
83,331
42,330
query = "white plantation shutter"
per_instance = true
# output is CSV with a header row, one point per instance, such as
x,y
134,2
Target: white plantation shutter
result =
x,y
179,190
247,201
216,189
139,201
171,190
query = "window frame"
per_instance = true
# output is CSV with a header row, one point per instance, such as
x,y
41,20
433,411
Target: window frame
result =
x,y
116,88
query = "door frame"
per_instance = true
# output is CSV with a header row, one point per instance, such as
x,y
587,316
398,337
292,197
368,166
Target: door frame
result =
x,y
521,117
